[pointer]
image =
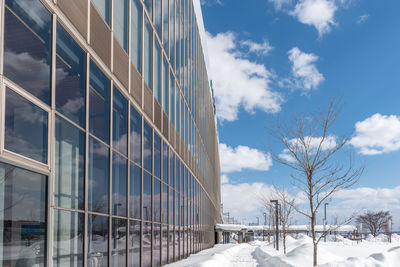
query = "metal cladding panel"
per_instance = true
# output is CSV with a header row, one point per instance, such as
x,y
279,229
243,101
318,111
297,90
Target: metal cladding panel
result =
x,y
182,151
100,36
171,134
76,11
148,101
136,85
157,114
165,124
121,64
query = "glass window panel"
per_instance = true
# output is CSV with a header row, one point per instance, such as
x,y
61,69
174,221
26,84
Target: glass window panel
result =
x,y
165,25
136,136
164,210
147,190
97,241
68,238
164,244
176,243
165,163
157,16
177,95
146,244
26,127
156,244
177,172
120,122
177,209
134,243
165,86
70,77
119,184
171,242
171,206
147,147
98,188
157,72
23,212
148,53
172,32
157,200
135,191
136,34
172,97
121,13
171,169
69,165
27,46
118,239
157,155
103,6
149,6
99,103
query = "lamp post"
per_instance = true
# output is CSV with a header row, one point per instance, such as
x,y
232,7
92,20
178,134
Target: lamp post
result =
x,y
326,204
276,224
265,223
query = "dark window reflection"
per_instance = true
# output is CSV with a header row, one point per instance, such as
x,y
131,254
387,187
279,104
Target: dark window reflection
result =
x,y
164,245
23,215
171,241
97,241
136,33
121,13
119,183
146,244
164,210
98,176
69,165
118,242
157,155
134,243
135,190
165,163
120,122
176,242
171,169
177,172
147,211
70,77
103,6
177,209
171,206
27,46
99,103
147,147
68,238
148,53
25,127
136,137
156,244
157,199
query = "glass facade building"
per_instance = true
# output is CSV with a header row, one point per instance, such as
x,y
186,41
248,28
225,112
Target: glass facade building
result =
x,y
108,142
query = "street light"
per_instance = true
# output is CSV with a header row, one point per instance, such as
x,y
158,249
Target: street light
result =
x,y
326,204
265,223
276,223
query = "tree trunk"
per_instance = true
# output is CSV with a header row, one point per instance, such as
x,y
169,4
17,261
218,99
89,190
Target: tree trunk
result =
x,y
284,242
314,239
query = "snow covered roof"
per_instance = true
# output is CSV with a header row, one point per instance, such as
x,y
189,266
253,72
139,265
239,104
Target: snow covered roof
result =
x,y
318,228
230,227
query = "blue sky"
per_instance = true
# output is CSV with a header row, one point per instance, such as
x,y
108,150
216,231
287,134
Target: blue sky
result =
x,y
284,57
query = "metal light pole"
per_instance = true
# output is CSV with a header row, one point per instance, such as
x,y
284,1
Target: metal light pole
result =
x,y
265,223
258,220
276,223
325,221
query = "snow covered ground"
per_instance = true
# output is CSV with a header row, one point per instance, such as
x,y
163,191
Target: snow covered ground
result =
x,y
371,252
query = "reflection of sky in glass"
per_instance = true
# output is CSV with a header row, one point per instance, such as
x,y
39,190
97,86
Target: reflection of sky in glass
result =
x,y
146,244
156,245
147,147
97,240
25,127
135,191
120,121
136,33
148,53
136,137
157,155
165,162
147,183
134,243
119,184
118,242
157,200
171,169
103,6
121,12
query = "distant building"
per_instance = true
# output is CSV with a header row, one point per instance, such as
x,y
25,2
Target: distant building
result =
x,y
108,143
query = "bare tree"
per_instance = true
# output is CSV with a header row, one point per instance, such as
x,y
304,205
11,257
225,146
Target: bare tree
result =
x,y
374,221
310,152
286,208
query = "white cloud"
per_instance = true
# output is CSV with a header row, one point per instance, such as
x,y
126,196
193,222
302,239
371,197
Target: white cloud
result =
x,y
317,13
305,74
279,4
243,157
377,134
259,48
238,82
329,143
224,179
362,18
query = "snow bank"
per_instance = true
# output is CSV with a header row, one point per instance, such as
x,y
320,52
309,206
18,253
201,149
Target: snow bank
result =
x,y
390,258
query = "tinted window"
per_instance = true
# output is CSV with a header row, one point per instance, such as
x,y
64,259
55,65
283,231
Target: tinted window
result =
x,y
120,122
23,216
136,137
165,87
103,6
70,77
157,155
121,12
157,200
69,165
147,211
157,72
98,176
164,204
97,241
99,103
119,184
156,244
171,169
149,6
146,244
134,244
148,53
68,238
172,97
165,163
165,25
164,244
25,127
27,46
118,242
136,32
135,191
147,147
171,206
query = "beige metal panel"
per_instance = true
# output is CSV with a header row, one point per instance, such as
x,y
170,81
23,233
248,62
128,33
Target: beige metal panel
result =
x,y
100,36
121,64
136,85
157,114
76,11
148,101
